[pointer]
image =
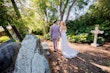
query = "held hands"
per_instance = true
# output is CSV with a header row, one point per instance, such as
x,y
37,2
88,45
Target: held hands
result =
x,y
60,34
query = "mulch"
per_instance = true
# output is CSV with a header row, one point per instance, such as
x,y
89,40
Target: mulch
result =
x,y
85,62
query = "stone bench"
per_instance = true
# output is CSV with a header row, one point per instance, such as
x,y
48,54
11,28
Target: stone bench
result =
x,y
45,48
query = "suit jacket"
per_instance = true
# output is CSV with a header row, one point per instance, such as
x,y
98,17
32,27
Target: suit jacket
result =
x,y
54,31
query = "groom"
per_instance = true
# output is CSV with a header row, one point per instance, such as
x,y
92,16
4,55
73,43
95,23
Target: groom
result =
x,y
54,34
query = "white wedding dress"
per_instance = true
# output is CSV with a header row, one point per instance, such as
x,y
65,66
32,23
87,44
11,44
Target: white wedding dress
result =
x,y
66,50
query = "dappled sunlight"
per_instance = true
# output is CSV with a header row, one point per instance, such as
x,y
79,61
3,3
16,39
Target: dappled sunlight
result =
x,y
81,59
101,53
104,68
80,18
83,62
106,47
88,48
96,54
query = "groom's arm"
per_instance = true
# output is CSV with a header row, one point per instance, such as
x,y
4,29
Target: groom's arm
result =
x,y
59,31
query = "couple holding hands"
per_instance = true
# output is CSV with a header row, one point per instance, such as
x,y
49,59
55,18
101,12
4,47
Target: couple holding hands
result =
x,y
59,31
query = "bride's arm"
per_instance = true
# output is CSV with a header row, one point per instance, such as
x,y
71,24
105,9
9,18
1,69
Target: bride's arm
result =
x,y
65,28
60,30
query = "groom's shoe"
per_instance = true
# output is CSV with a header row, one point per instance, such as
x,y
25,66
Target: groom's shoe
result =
x,y
54,50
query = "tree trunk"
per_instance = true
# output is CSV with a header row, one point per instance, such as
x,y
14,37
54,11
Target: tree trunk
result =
x,y
16,9
19,16
7,32
62,9
46,21
61,13
17,33
69,10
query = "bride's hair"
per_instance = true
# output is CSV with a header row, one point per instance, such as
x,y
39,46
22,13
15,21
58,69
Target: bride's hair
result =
x,y
62,23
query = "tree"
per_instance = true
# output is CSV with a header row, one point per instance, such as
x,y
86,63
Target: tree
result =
x,y
19,16
49,10
70,9
5,18
98,13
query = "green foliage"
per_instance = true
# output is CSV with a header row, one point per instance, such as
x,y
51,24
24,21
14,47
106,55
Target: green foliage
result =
x,y
39,36
101,40
90,38
108,64
4,38
5,17
97,14
106,27
78,26
37,32
81,3
9,17
21,25
84,38
78,38
47,36
48,10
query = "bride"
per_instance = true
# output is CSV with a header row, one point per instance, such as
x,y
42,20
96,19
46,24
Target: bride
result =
x,y
66,50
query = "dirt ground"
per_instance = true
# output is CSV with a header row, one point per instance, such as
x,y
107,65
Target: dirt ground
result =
x,y
89,60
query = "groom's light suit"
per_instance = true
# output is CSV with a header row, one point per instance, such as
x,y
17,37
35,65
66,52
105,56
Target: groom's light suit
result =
x,y
54,33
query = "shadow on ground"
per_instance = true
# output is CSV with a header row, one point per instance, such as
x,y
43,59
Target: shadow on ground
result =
x,y
83,63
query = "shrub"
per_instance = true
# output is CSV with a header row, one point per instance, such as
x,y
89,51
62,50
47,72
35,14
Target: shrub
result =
x,y
39,36
90,38
85,38
101,40
108,64
78,38
4,38
47,36
37,32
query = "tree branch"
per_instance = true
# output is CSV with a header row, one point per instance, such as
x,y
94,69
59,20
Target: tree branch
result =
x,y
60,9
70,9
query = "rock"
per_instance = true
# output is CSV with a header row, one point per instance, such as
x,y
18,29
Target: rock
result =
x,y
8,55
5,43
30,58
45,48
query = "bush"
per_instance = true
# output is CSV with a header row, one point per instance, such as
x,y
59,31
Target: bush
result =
x,y
47,36
101,40
4,38
108,64
39,36
105,26
37,32
90,38
85,38
78,38
87,22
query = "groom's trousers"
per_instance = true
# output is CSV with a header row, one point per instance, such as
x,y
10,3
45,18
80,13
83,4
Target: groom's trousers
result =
x,y
55,43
